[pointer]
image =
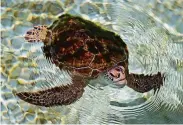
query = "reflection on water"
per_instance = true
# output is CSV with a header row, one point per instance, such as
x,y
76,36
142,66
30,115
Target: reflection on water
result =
x,y
154,45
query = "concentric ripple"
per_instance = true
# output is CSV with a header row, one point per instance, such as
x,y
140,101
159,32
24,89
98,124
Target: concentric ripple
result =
x,y
154,45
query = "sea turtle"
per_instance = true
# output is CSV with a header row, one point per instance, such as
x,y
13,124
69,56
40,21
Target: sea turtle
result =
x,y
86,50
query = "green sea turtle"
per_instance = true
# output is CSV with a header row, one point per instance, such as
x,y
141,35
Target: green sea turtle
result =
x,y
86,51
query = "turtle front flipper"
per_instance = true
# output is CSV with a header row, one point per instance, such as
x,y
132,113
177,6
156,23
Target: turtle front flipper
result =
x,y
61,95
39,33
144,83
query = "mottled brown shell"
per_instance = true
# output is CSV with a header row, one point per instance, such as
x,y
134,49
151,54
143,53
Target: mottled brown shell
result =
x,y
81,46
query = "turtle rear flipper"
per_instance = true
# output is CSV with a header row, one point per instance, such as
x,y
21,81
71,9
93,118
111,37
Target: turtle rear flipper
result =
x,y
61,95
38,33
144,83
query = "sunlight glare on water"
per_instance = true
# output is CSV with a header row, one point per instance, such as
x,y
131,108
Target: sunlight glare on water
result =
x,y
152,43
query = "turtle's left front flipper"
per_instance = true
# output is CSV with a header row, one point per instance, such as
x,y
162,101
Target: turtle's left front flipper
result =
x,y
144,83
61,95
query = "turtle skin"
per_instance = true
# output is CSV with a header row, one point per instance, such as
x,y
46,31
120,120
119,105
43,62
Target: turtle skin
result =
x,y
85,50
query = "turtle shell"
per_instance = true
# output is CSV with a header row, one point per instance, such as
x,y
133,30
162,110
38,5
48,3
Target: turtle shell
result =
x,y
83,47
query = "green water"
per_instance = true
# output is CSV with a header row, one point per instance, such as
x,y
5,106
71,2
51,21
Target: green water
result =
x,y
153,31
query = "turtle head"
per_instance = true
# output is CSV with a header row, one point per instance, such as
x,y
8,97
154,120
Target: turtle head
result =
x,y
117,75
39,34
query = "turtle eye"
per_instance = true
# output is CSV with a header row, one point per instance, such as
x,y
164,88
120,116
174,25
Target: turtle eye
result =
x,y
119,69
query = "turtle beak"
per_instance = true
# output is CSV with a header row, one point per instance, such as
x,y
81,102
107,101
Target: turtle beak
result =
x,y
117,75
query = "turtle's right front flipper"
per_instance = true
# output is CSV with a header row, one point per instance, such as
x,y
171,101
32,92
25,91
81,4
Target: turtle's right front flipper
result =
x,y
61,95
144,83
